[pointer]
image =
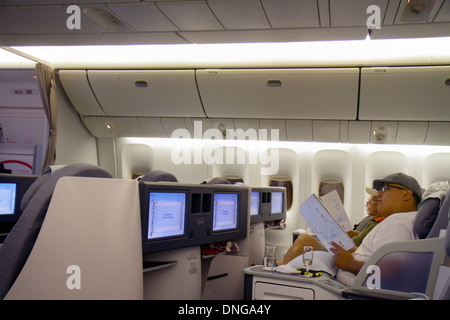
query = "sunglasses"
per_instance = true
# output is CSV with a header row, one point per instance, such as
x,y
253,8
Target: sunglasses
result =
x,y
387,187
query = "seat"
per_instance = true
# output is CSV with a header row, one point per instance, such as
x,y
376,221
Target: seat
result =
x,y
430,219
409,266
442,290
20,241
159,176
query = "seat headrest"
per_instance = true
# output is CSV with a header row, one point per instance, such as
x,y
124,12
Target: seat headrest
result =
x,y
33,189
429,210
75,169
158,176
426,216
218,180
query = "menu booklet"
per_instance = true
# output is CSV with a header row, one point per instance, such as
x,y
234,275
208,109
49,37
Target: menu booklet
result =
x,y
323,224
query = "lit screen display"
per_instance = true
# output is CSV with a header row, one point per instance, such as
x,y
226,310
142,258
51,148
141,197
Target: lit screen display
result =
x,y
225,211
254,209
277,202
7,198
166,214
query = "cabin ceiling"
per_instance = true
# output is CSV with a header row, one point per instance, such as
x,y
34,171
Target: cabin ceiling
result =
x,y
115,22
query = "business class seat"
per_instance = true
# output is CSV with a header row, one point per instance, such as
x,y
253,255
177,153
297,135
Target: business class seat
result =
x,y
158,176
445,292
73,218
409,266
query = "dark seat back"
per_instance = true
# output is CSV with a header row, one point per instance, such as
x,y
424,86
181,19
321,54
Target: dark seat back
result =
x,y
20,241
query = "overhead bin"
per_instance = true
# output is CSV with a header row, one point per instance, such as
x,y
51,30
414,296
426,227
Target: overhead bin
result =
x,y
405,93
79,92
328,93
156,93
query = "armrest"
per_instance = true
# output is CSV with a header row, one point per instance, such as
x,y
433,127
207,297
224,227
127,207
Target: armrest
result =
x,y
403,267
354,294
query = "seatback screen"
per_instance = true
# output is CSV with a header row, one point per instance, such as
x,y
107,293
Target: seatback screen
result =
x,y
166,214
254,209
7,198
277,202
225,211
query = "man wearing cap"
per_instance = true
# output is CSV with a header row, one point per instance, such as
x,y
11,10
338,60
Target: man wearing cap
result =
x,y
357,236
399,196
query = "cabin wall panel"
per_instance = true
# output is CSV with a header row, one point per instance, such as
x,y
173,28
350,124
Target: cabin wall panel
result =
x,y
291,163
436,167
73,143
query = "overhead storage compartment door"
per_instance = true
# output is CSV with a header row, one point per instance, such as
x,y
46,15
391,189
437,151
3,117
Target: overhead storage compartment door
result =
x,y
405,93
156,93
280,93
77,88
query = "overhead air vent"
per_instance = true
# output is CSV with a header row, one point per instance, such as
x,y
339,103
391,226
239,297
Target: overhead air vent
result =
x,y
419,10
105,19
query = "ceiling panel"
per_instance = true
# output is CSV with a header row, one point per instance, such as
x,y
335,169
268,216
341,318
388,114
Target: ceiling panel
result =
x,y
14,20
444,13
292,14
56,18
43,22
192,15
241,14
276,35
143,17
52,2
348,13
324,12
417,30
391,12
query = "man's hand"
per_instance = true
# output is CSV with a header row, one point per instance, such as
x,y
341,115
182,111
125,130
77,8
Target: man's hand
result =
x,y
344,260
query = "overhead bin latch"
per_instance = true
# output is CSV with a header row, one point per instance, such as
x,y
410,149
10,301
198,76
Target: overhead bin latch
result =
x,y
141,84
274,83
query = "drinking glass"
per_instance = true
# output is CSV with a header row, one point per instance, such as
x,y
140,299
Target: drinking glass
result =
x,y
270,257
308,255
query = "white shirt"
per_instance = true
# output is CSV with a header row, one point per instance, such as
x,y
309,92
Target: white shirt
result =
x,y
396,227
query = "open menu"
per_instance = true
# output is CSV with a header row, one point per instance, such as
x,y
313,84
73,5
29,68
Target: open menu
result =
x,y
323,224
333,203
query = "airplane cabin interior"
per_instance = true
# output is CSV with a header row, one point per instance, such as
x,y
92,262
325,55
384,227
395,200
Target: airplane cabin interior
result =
x,y
155,150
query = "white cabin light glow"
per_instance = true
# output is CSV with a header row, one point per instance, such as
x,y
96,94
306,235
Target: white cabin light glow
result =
x,y
310,146
11,60
326,53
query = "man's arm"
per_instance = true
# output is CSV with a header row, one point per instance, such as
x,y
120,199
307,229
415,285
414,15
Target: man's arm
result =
x,y
344,260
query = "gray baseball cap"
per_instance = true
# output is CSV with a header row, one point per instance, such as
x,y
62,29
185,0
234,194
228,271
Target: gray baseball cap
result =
x,y
400,178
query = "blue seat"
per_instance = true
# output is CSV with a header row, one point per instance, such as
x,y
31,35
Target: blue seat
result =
x,y
432,215
410,266
446,292
20,241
